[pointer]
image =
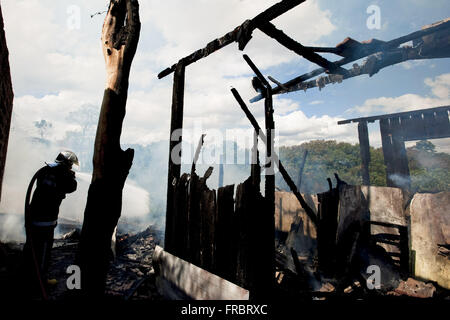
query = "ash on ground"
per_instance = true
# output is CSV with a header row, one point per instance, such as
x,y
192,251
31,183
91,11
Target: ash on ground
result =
x,y
131,274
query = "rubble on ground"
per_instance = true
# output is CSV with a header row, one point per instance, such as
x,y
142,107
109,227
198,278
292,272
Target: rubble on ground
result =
x,y
130,277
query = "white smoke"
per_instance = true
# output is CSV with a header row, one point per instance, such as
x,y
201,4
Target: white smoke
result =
x,y
25,156
135,204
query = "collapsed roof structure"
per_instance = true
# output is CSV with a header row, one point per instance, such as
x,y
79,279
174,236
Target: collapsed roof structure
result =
x,y
190,229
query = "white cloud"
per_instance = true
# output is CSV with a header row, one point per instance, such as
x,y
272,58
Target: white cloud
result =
x,y
296,128
189,25
56,70
440,87
439,96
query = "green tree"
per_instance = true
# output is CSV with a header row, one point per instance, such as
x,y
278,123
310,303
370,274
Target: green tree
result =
x,y
425,145
43,127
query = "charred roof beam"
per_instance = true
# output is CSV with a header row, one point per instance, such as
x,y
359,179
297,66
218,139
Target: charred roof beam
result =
x,y
241,34
353,50
270,30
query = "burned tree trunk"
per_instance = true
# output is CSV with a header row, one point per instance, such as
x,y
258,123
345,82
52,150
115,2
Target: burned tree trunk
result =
x,y
6,99
120,35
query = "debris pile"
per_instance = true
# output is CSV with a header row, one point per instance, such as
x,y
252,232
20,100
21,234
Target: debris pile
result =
x,y
130,277
131,273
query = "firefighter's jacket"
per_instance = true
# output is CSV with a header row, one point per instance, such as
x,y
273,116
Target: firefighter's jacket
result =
x,y
53,182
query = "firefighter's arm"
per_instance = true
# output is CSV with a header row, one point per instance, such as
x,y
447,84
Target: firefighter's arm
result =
x,y
71,185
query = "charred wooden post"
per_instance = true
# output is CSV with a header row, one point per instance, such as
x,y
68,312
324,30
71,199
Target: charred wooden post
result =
x,y
208,218
364,149
120,36
226,236
270,30
277,161
6,99
194,220
176,138
254,270
395,129
181,218
327,228
269,176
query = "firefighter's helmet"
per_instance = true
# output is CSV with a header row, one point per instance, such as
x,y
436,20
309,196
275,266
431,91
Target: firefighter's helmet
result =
x,y
68,158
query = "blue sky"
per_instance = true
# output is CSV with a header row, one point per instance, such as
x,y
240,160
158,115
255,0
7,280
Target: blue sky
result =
x,y
398,18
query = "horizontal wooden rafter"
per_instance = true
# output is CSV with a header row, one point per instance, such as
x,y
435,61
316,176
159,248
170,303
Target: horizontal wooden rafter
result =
x,y
241,34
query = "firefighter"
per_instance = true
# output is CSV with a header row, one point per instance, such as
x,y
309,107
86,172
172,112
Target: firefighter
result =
x,y
53,182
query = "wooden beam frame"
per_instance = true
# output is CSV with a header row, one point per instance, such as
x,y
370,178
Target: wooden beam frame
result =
x,y
356,51
174,169
241,34
276,159
364,148
270,30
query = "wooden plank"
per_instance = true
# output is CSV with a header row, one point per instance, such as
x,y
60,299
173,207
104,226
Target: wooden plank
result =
x,y
270,30
276,159
262,239
193,281
255,254
400,159
180,233
429,124
442,124
388,150
174,166
327,230
207,230
225,233
194,219
364,149
398,114
242,237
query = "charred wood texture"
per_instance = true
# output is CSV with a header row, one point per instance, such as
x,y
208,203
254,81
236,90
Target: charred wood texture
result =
x,y
396,128
430,42
241,34
270,30
226,236
6,99
276,159
326,230
120,37
174,170
255,252
364,148
267,213
394,151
